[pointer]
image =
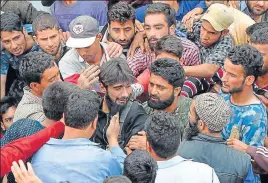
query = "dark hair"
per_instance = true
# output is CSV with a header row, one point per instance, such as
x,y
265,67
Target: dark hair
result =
x,y
170,70
117,179
81,109
251,29
169,44
250,59
5,103
43,22
163,133
121,12
33,65
260,36
140,167
55,98
11,22
165,9
116,71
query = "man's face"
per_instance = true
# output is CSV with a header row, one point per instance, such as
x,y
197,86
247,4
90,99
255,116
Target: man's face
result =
x,y
208,35
233,79
89,53
49,76
169,55
161,93
263,49
14,42
8,118
119,93
257,8
49,41
122,33
155,27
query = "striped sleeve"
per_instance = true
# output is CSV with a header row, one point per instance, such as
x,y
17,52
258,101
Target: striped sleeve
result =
x,y
260,155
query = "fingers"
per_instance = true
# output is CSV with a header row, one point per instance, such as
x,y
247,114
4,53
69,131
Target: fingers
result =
x,y
139,25
128,150
114,50
142,133
30,169
92,72
131,50
19,171
147,47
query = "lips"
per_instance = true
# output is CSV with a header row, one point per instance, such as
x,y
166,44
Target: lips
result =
x,y
16,52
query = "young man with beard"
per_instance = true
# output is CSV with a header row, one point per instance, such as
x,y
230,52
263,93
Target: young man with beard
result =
x,y
242,68
47,34
16,43
117,78
165,84
160,21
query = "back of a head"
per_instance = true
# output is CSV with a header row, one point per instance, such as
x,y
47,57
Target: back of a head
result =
x,y
44,22
81,109
163,134
116,71
55,98
140,167
260,36
212,109
11,22
257,26
33,65
157,8
117,179
250,59
170,70
169,44
121,12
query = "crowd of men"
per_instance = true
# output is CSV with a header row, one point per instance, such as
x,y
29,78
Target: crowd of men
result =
x,y
134,91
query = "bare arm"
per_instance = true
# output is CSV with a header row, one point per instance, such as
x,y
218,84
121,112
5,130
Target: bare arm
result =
x,y
3,85
203,70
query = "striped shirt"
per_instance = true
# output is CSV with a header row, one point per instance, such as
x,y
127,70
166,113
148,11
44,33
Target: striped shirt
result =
x,y
260,156
141,61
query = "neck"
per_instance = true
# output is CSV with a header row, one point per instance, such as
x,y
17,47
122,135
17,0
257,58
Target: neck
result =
x,y
257,18
105,107
244,97
48,122
30,43
212,134
176,5
163,159
36,93
59,52
98,56
173,106
69,2
73,133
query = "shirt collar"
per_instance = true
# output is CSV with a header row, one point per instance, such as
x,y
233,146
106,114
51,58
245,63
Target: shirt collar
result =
x,y
171,162
74,142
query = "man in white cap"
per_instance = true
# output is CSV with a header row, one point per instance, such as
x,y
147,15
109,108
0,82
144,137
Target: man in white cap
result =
x,y
87,50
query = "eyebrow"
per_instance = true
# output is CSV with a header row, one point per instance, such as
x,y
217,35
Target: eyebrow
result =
x,y
207,30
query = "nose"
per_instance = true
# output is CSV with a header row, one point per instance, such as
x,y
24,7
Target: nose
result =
x,y
122,35
14,45
49,43
153,90
224,77
124,92
261,3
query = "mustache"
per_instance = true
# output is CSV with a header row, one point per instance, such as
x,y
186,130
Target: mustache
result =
x,y
153,38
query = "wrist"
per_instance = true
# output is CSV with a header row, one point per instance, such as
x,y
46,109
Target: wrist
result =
x,y
113,142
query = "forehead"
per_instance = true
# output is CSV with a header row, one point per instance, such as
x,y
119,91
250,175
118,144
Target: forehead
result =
x,y
10,112
9,35
117,24
47,32
119,84
50,72
232,68
158,80
155,18
208,26
261,47
163,54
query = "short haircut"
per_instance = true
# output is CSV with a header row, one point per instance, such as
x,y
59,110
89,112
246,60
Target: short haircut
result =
x,y
163,133
162,8
251,29
5,103
11,22
121,12
140,167
33,65
81,109
117,179
55,98
169,44
44,22
260,36
116,71
249,57
170,70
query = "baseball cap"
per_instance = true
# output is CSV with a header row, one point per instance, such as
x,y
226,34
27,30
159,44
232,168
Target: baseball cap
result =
x,y
213,110
84,30
219,16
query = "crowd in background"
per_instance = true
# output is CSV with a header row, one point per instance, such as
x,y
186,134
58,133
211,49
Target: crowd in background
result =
x,y
134,91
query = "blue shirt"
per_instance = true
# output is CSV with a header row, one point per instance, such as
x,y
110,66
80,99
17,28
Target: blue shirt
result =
x,y
251,122
184,8
76,160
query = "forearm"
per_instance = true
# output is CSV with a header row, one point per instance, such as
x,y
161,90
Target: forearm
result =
x,y
3,85
260,156
203,70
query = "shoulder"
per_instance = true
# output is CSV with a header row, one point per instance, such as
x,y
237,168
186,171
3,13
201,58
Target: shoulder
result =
x,y
137,107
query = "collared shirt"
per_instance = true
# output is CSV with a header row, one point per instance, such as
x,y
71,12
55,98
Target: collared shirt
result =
x,y
76,160
215,54
180,170
30,107
72,63
141,61
7,59
251,121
